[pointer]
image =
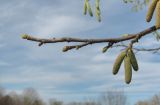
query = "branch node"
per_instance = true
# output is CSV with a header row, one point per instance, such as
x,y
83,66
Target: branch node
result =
x,y
40,44
110,44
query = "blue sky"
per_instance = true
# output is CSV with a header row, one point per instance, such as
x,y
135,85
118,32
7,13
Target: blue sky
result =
x,y
75,74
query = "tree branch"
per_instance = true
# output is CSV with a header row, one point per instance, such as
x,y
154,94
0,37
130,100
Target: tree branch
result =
x,y
85,42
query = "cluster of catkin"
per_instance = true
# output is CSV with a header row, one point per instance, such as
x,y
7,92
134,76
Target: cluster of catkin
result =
x,y
154,5
87,8
130,62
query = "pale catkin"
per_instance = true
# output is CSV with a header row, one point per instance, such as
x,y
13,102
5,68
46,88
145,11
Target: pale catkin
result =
x,y
118,62
133,59
85,7
98,12
151,10
98,15
128,70
158,15
89,9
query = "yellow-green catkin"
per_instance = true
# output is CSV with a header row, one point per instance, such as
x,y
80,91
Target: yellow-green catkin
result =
x,y
151,10
133,59
158,15
98,12
118,62
128,69
85,7
89,8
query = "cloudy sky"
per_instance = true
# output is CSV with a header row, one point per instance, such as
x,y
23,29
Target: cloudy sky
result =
x,y
75,74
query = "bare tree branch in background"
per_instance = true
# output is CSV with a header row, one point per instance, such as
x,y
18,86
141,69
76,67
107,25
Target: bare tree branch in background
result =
x,y
114,98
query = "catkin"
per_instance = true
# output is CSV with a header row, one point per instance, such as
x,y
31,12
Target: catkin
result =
x,y
133,59
118,62
85,7
158,15
98,12
151,10
98,15
89,9
128,69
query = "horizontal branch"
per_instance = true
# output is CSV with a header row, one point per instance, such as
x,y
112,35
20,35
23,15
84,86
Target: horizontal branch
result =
x,y
85,42
68,39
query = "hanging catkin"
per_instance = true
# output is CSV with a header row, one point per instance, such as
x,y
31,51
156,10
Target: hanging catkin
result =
x,y
128,69
151,10
98,12
133,59
85,7
118,62
89,8
158,15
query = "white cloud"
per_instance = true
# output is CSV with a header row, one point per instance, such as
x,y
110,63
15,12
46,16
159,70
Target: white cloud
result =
x,y
37,75
103,58
62,25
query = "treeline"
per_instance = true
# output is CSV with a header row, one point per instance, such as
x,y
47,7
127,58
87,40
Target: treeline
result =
x,y
155,100
30,97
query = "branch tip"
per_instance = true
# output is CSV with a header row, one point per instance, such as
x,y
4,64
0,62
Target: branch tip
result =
x,y
65,49
104,49
25,36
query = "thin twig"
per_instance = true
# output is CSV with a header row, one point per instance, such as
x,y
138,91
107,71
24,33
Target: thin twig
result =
x,y
154,50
